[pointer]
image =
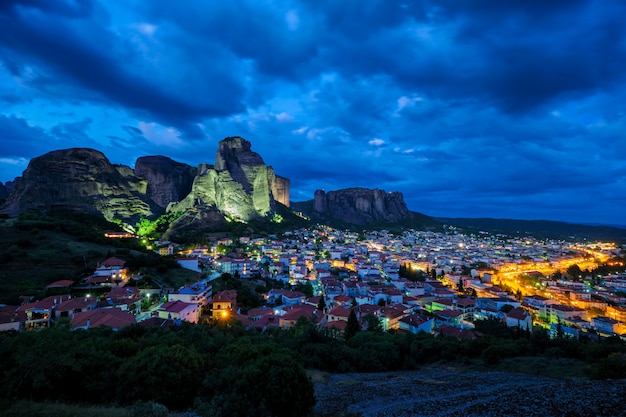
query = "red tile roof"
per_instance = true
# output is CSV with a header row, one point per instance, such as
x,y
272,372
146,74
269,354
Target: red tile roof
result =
x,y
111,262
110,317
64,283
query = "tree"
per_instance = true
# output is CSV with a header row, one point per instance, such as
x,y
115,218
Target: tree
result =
x,y
167,374
372,323
245,383
459,286
574,272
352,327
322,304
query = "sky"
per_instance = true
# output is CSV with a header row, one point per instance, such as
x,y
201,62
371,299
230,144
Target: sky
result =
x,y
483,108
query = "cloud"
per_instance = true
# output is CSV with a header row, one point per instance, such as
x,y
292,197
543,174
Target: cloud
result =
x,y
482,107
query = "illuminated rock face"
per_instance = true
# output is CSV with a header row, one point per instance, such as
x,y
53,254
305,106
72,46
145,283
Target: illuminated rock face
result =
x,y
281,190
360,206
239,185
80,180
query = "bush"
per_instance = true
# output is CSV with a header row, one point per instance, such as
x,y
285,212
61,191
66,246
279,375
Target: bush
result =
x,y
149,409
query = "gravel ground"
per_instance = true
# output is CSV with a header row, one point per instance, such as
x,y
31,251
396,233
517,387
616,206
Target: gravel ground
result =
x,y
450,393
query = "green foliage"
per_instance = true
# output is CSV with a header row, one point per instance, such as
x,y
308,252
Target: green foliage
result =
x,y
149,409
173,370
405,271
372,323
154,228
306,289
249,379
352,327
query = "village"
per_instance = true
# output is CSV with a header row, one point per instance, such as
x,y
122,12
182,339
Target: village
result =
x,y
438,283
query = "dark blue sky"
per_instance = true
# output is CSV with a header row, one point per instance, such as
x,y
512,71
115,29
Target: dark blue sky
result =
x,y
483,108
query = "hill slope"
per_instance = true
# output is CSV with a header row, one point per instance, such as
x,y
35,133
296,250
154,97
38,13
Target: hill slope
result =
x,y
539,228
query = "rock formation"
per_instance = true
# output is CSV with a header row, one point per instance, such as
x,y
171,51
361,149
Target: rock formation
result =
x,y
239,185
361,206
80,180
5,189
281,190
168,180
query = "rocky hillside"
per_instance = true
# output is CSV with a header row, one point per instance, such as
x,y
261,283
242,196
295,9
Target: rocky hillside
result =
x,y
451,393
167,179
239,187
80,180
361,207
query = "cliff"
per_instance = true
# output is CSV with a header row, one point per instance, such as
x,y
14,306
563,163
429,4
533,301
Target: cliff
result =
x,y
362,207
167,179
80,180
239,187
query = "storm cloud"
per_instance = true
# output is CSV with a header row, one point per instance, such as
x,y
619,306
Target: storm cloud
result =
x,y
474,109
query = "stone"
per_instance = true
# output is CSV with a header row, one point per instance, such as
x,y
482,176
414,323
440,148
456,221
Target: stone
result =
x,y
167,180
79,179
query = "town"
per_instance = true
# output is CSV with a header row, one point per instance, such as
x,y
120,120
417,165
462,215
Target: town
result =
x,y
417,281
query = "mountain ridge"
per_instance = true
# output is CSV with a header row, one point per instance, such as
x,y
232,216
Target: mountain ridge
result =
x,y
538,228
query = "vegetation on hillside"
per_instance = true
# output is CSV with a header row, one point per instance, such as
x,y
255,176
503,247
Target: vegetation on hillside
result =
x,y
36,250
224,370
541,229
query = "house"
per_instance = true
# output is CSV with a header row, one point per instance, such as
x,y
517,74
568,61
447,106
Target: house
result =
x,y
228,265
60,286
288,297
294,313
262,323
605,325
336,328
114,318
40,313
450,317
518,317
11,318
415,323
223,304
179,310
338,313
558,313
466,307
69,308
113,268
197,293
124,298
191,263
391,315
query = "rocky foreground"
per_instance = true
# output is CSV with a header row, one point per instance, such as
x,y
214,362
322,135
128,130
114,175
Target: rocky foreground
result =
x,y
451,393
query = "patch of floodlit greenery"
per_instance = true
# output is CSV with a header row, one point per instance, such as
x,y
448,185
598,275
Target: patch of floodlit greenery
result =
x,y
154,228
